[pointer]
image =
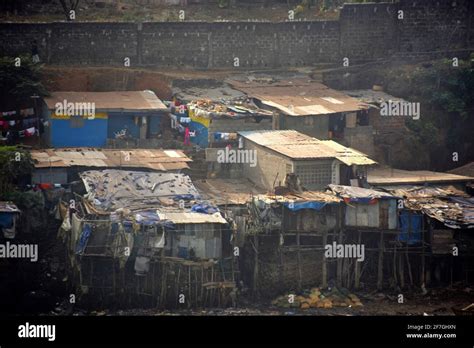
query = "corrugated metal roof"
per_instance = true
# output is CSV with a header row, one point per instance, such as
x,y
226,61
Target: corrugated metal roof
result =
x,y
188,217
110,101
299,97
467,169
391,176
369,96
300,146
162,160
358,192
227,191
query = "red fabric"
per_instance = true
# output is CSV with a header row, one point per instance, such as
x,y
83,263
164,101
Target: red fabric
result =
x,y
186,136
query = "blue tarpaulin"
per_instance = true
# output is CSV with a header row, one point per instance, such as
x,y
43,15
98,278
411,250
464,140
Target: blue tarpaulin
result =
x,y
82,242
204,208
6,220
294,206
410,226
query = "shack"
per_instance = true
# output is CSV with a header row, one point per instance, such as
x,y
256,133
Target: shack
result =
x,y
313,109
215,124
92,118
9,216
316,163
147,239
440,219
370,220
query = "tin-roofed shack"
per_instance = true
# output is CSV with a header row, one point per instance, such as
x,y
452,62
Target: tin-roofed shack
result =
x,y
147,238
313,109
62,165
441,219
97,118
316,163
285,239
214,124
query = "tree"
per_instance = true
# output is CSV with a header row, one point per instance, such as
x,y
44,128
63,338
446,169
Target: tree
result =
x,y
19,80
14,163
68,6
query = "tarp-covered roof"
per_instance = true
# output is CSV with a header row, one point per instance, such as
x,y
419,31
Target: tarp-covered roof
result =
x,y
110,101
162,160
297,145
132,192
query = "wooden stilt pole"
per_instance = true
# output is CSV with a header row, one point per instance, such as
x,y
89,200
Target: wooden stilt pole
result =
x,y
380,264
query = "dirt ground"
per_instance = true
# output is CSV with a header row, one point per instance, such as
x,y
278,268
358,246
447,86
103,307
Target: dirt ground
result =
x,y
135,10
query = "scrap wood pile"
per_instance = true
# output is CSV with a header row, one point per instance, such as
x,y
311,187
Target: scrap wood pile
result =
x,y
240,107
318,298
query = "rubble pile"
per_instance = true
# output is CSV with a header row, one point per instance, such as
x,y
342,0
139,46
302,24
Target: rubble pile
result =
x,y
318,298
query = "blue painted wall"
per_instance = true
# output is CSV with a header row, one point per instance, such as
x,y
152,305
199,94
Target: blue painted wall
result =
x,y
93,134
120,120
96,132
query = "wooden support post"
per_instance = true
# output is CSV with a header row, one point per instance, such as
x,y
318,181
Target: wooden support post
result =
x,y
401,269
298,260
255,267
324,263
422,275
380,265
339,260
410,275
357,266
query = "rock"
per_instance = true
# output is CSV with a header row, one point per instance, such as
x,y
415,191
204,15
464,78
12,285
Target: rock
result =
x,y
305,305
353,297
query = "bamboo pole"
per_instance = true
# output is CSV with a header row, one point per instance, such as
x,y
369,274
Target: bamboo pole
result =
x,y
298,261
357,266
324,263
380,264
255,268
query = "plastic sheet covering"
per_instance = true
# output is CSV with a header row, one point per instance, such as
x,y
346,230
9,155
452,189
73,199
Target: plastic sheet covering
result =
x,y
295,206
410,225
204,208
82,242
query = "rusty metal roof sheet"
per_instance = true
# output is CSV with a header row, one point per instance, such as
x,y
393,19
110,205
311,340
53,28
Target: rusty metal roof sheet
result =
x,y
425,191
391,176
299,97
467,169
110,101
300,146
227,191
162,160
453,212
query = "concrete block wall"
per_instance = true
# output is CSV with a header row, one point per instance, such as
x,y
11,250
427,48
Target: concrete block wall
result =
x,y
363,32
